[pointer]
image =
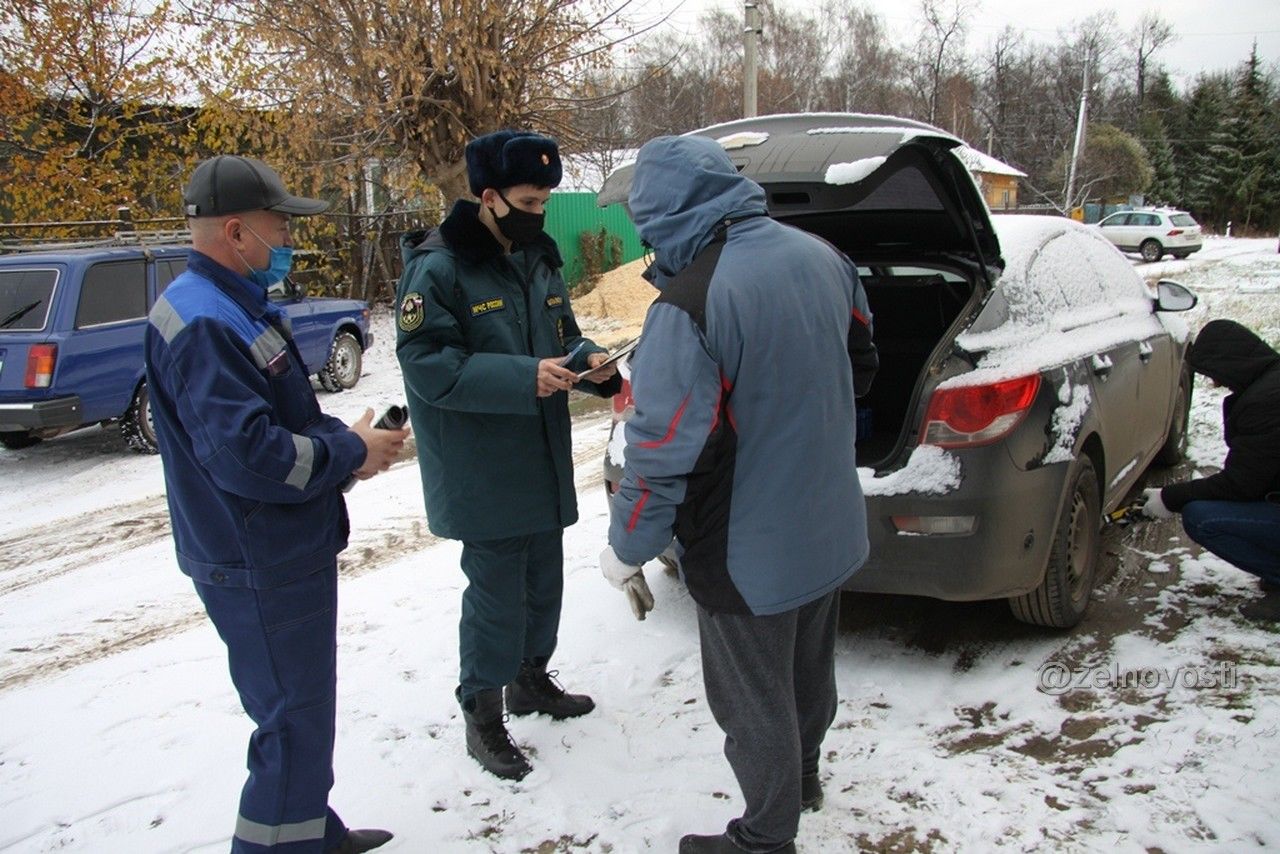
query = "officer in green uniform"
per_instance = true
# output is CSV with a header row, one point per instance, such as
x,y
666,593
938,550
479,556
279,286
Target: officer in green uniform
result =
x,y
489,349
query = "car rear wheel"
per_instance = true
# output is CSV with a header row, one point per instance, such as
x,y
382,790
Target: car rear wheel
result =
x,y
18,439
1063,596
1151,250
1174,448
342,371
137,428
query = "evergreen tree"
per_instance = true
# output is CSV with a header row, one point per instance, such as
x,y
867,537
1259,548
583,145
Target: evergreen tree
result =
x,y
1206,153
1165,187
1254,189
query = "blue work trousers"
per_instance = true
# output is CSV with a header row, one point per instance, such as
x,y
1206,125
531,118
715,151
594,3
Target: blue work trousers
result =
x,y
510,609
282,650
1245,534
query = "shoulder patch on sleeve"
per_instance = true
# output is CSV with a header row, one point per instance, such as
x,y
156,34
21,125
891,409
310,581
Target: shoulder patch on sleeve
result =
x,y
555,301
411,312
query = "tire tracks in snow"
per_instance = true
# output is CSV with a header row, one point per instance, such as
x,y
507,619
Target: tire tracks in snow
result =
x,y
25,554
139,523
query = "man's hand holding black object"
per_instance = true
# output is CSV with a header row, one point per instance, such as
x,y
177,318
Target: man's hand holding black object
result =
x,y
629,579
382,447
604,373
553,377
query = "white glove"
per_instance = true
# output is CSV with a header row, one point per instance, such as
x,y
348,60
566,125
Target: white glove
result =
x,y
629,579
1153,505
615,571
638,595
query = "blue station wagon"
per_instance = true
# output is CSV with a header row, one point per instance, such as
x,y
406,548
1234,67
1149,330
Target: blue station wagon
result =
x,y
72,323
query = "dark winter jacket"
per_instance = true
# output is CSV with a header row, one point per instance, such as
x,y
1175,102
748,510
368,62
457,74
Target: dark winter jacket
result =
x,y
1231,355
473,324
252,467
742,441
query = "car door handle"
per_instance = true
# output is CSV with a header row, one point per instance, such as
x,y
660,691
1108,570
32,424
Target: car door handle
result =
x,y
1102,365
1145,352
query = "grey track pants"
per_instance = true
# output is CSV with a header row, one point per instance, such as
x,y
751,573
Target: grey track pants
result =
x,y
771,686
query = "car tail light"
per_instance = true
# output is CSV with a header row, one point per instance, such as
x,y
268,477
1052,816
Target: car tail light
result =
x,y
979,414
1174,233
40,361
622,401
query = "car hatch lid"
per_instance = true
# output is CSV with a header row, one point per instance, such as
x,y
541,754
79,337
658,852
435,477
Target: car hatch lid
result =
x,y
824,162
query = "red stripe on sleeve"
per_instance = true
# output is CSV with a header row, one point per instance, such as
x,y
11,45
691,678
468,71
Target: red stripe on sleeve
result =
x,y
635,514
671,428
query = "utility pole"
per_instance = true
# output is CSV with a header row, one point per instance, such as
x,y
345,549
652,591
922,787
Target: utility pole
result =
x,y
1080,126
749,37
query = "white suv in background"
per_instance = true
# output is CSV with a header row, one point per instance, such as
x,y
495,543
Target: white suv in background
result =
x,y
1152,233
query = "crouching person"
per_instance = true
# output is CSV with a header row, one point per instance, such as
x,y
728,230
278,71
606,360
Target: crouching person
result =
x,y
742,446
489,349
1236,513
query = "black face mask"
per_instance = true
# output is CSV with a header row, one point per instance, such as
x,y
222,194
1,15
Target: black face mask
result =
x,y
520,227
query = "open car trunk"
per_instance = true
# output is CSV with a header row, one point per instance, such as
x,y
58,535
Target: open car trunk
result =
x,y
895,198
918,306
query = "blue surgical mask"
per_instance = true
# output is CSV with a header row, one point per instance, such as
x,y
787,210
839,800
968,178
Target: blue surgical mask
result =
x,y
279,265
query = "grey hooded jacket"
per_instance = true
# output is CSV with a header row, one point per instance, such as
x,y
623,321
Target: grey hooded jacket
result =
x,y
742,441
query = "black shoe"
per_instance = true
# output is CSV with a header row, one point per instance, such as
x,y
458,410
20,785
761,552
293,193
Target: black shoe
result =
x,y
722,844
1264,610
488,741
810,793
536,690
361,840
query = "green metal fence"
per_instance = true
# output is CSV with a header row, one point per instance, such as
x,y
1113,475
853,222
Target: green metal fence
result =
x,y
571,214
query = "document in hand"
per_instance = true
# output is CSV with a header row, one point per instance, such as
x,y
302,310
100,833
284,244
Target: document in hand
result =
x,y
618,354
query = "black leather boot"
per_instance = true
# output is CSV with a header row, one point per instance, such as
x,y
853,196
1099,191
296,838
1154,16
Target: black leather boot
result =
x,y
722,844
1264,610
810,792
536,690
488,741
358,841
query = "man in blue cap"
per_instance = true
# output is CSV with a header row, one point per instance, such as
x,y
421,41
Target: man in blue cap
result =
x,y
253,472
489,349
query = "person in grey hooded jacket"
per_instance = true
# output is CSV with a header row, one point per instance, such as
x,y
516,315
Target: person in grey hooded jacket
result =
x,y
742,447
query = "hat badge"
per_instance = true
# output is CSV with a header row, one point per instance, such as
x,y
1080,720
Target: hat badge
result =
x,y
546,161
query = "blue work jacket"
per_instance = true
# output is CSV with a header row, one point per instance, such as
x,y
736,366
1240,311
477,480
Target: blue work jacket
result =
x,y
251,464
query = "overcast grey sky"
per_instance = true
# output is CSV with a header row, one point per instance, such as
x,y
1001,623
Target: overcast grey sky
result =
x,y
1212,34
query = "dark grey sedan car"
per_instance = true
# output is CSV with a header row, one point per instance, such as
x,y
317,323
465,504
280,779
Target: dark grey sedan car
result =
x,y
1028,375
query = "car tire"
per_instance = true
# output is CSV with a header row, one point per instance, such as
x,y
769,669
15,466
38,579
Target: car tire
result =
x,y
1151,250
1063,596
16,440
136,427
1174,449
346,359
1181,256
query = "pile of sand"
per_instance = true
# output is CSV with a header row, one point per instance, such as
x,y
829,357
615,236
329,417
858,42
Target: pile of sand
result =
x,y
614,310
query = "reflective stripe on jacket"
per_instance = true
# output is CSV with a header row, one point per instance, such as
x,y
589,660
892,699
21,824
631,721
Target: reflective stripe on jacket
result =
x,y
252,466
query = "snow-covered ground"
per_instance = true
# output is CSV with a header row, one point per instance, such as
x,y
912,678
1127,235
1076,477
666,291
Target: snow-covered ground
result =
x,y
120,732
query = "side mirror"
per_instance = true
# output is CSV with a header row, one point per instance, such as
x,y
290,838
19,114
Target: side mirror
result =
x,y
1171,296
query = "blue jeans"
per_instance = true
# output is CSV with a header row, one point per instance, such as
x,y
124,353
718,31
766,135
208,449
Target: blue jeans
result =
x,y
1245,534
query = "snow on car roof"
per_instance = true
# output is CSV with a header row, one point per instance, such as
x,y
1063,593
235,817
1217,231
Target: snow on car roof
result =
x,y
1070,294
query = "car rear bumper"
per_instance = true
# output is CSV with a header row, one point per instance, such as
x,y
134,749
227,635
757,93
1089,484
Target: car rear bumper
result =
x,y
40,414
1015,513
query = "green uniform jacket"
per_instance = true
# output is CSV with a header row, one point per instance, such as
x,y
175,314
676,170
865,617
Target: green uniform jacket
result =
x,y
472,325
